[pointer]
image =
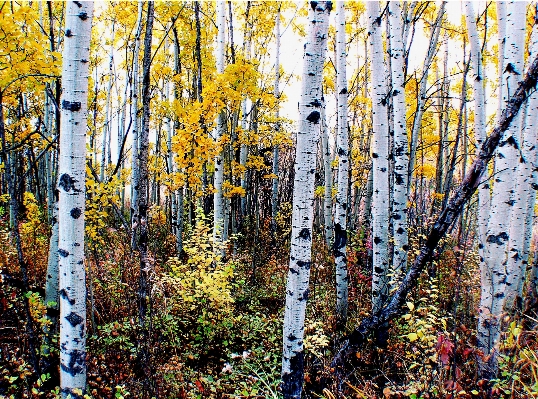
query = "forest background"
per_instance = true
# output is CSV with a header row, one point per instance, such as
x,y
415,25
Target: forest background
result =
x,y
184,213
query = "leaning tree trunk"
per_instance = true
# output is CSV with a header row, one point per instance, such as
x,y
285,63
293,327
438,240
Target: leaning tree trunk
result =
x,y
380,162
342,149
303,199
400,151
444,221
71,205
218,199
502,202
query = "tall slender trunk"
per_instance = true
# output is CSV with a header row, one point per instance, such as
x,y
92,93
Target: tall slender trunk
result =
x,y
342,149
400,150
274,190
218,199
303,196
135,167
502,200
71,205
380,163
107,131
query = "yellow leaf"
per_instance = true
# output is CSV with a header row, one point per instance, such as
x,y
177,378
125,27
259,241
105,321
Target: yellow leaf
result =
x,y
412,337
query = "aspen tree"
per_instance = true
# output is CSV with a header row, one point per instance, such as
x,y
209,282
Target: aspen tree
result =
x,y
380,162
218,213
71,205
135,171
303,201
400,151
342,149
502,199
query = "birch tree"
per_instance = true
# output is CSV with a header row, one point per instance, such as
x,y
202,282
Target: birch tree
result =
x,y
274,190
342,149
71,187
303,200
218,213
380,162
502,199
400,151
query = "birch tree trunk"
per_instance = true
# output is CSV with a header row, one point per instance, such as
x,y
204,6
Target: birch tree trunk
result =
x,y
218,212
303,199
502,200
523,209
380,163
342,149
107,131
400,152
71,187
135,171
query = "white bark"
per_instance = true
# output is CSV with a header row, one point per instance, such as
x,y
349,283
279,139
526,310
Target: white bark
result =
x,y
523,209
107,131
342,149
380,162
71,187
503,200
400,152
484,189
303,201
218,199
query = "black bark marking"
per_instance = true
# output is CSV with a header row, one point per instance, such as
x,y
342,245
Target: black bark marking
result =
x,y
499,239
305,295
293,271
83,16
75,213
71,105
78,3
67,183
315,103
341,152
77,362
304,265
313,5
63,252
313,117
512,141
400,230
510,202
343,91
63,294
377,240
378,270
68,33
305,234
340,237
374,155
74,319
292,382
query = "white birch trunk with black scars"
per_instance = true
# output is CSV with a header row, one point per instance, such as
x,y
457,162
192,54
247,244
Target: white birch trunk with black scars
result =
x,y
525,195
218,199
303,200
380,161
135,171
400,151
421,100
342,149
484,189
71,187
328,176
503,199
274,192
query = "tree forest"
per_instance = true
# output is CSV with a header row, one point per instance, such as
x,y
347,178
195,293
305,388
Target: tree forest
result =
x,y
268,199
